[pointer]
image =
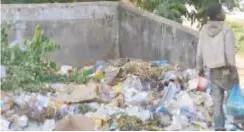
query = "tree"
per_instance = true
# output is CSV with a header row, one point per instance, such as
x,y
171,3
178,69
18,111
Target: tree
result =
x,y
44,1
175,9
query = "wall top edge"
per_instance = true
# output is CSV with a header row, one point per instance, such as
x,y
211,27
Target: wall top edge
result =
x,y
47,5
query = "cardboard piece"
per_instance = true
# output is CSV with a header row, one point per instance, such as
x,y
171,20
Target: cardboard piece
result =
x,y
75,123
75,93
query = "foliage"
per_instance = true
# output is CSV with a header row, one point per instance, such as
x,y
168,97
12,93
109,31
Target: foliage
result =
x,y
27,63
129,123
238,29
43,1
84,108
175,9
28,66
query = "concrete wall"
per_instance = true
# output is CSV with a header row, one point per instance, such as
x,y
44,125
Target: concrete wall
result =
x,y
150,37
97,30
85,31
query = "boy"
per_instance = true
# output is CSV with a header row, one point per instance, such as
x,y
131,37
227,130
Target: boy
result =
x,y
216,51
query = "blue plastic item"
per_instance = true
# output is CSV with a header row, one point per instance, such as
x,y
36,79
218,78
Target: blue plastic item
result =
x,y
235,102
170,92
160,62
1,103
187,112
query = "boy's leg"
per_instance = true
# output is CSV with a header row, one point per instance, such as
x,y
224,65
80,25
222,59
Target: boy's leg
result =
x,y
218,99
221,80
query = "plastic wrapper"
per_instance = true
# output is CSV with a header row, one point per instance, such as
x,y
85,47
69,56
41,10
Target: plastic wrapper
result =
x,y
64,70
190,74
4,124
198,83
3,72
133,82
49,125
141,114
170,92
19,122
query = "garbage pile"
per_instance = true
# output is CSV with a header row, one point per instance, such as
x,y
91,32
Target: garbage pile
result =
x,y
121,94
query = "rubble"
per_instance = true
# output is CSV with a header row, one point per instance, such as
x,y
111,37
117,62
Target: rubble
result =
x,y
122,94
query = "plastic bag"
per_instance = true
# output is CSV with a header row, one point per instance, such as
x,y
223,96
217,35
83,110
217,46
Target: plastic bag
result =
x,y
4,124
49,125
3,72
133,82
64,70
186,102
170,92
198,83
235,102
144,115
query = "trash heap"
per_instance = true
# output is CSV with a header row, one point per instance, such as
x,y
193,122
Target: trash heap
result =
x,y
121,94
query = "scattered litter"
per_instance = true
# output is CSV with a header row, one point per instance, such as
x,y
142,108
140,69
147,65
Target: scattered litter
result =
x,y
122,94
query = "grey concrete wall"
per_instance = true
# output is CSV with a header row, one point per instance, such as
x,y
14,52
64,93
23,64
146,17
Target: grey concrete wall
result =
x,y
90,31
85,31
150,37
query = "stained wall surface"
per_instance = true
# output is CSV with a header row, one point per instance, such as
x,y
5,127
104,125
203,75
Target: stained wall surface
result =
x,y
90,31
85,31
150,37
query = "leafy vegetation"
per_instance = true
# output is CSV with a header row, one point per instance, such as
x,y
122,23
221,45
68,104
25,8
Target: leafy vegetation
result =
x,y
238,29
28,66
84,108
26,63
175,9
44,1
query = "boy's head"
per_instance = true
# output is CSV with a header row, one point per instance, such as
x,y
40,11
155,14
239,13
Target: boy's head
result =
x,y
215,12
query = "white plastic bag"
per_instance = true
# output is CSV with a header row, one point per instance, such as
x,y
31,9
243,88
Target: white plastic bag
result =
x,y
184,100
139,98
170,92
3,72
49,125
181,119
23,121
4,124
65,69
42,102
190,74
144,115
134,82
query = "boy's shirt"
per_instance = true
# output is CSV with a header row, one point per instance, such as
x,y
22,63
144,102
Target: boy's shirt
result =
x,y
216,46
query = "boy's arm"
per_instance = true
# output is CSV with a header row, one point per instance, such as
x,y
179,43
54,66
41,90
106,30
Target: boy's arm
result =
x,y
230,47
230,53
199,58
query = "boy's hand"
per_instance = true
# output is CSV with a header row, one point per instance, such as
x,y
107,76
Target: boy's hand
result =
x,y
236,81
201,73
235,75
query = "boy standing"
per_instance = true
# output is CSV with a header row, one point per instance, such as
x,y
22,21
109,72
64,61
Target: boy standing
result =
x,y
216,51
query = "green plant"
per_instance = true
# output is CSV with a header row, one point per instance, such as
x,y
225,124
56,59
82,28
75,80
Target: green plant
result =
x,y
27,63
238,29
44,1
84,108
175,9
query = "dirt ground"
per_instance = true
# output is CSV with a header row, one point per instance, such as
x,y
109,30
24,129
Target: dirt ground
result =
x,y
240,65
